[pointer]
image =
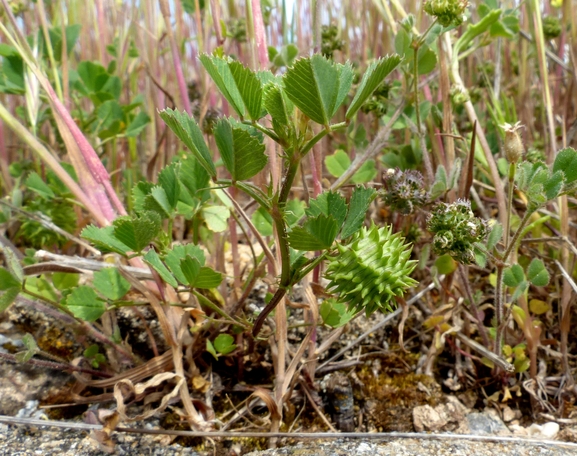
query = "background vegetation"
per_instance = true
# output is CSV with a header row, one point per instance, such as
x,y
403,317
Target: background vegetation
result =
x,y
127,127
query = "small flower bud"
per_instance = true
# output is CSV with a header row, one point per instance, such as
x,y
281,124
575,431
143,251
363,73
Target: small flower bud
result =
x,y
447,12
513,145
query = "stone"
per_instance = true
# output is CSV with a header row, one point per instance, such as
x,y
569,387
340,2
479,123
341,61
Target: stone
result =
x,y
487,423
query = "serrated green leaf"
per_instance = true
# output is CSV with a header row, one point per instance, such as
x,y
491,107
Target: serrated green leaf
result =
x,y
139,123
207,278
85,304
178,253
153,260
65,280
366,173
157,202
329,204
346,76
35,183
243,154
104,239
187,130
566,161
537,273
220,72
312,85
358,206
137,232
168,180
318,233
190,268
277,104
139,193
9,288
194,178
494,236
224,344
513,276
110,284
337,163
249,87
373,77
216,218
294,211
263,222
553,185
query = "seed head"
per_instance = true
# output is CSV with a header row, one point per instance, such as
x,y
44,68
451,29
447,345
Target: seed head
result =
x,y
447,12
513,145
456,230
370,271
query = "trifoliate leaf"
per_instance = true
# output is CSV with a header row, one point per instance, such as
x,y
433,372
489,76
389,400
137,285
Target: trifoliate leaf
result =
x,y
277,104
537,274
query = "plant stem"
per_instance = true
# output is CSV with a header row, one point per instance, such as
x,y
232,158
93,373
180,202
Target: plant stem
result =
x,y
512,169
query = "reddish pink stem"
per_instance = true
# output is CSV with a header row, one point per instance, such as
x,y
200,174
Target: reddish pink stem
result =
x,y
259,34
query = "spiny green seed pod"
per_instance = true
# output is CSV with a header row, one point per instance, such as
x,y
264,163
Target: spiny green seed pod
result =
x,y
370,271
447,12
456,230
513,145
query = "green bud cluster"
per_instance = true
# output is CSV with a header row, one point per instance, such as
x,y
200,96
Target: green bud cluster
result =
x,y
551,27
447,12
378,101
456,230
370,271
329,41
404,190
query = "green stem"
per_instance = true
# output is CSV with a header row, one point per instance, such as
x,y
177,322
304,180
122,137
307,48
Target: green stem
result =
x,y
211,305
512,169
320,135
499,288
267,131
